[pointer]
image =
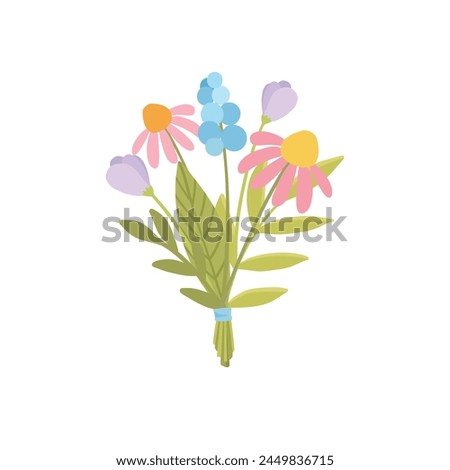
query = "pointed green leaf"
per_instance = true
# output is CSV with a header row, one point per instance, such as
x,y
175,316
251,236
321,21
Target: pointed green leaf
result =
x,y
327,167
141,231
221,208
272,261
198,257
255,197
288,225
164,230
201,297
255,297
175,267
227,224
234,244
195,211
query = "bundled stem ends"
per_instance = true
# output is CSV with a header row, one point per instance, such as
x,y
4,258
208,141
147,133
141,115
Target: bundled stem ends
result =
x,y
224,341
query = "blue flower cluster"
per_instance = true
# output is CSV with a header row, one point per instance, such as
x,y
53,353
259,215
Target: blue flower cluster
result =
x,y
216,113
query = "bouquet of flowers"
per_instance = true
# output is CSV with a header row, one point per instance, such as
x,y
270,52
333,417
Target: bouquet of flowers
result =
x,y
201,236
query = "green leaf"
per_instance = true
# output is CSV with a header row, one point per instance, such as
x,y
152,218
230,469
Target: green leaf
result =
x,y
175,267
255,197
255,297
234,244
201,297
194,211
327,167
272,261
164,230
221,208
141,231
198,257
288,225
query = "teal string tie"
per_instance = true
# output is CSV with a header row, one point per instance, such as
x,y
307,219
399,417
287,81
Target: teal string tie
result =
x,y
222,314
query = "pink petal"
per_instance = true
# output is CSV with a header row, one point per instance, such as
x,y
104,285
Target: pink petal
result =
x,y
266,138
304,190
187,124
256,158
322,180
268,173
284,186
184,109
139,142
181,138
153,150
168,148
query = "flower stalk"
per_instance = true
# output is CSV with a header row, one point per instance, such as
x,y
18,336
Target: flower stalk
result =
x,y
224,341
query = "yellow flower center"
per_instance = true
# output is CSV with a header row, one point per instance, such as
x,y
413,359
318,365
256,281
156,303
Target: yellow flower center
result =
x,y
156,117
300,149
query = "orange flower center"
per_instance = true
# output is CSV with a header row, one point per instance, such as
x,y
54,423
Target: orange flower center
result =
x,y
300,149
156,117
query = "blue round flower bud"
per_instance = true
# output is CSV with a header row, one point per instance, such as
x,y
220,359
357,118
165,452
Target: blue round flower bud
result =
x,y
214,146
220,95
231,113
204,95
234,138
214,79
208,130
212,112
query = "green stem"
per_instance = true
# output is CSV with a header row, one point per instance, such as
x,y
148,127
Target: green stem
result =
x,y
271,211
224,342
176,147
235,240
227,218
244,182
162,207
250,236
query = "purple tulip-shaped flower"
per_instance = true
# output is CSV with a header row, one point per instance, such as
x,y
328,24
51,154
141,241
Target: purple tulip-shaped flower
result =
x,y
278,99
128,175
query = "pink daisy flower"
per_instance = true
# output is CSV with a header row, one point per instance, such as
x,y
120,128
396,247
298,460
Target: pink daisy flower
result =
x,y
159,123
298,153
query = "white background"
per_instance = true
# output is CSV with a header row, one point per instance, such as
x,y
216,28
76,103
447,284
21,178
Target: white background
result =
x,y
101,357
